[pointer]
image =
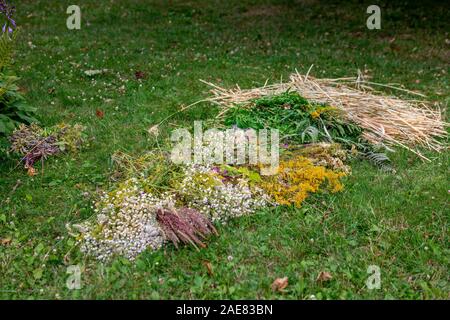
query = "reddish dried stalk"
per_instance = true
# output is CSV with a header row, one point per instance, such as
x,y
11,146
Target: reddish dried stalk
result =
x,y
185,226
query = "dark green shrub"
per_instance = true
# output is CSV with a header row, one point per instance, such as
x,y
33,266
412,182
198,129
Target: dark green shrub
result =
x,y
13,107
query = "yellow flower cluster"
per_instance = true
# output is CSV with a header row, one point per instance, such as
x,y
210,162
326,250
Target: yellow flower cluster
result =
x,y
299,177
317,112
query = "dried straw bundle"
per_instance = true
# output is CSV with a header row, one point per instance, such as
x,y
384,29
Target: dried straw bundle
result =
x,y
386,119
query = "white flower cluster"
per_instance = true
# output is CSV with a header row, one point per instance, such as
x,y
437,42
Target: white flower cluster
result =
x,y
125,225
219,200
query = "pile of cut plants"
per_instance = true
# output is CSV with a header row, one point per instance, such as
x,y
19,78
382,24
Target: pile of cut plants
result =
x,y
385,119
35,144
154,201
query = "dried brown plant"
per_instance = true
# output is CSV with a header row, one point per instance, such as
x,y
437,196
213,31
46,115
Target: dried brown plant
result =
x,y
185,225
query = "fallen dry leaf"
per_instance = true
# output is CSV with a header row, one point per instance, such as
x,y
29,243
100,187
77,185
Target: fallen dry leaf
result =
x,y
280,284
31,171
324,276
139,75
66,258
208,266
99,113
5,241
154,130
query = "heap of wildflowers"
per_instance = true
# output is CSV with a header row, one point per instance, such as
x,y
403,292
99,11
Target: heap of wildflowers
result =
x,y
133,217
129,221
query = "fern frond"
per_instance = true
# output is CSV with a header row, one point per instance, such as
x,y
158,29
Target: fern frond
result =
x,y
312,132
381,160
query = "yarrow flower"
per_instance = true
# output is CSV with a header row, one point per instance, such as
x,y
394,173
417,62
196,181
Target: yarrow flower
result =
x,y
205,190
126,224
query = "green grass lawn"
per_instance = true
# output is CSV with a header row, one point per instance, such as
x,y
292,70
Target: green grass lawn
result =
x,y
399,222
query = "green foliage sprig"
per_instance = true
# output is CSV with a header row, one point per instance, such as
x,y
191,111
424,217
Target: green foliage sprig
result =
x,y
297,119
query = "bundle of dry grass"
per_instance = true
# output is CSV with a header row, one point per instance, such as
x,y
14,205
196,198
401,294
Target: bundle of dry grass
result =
x,y
386,119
